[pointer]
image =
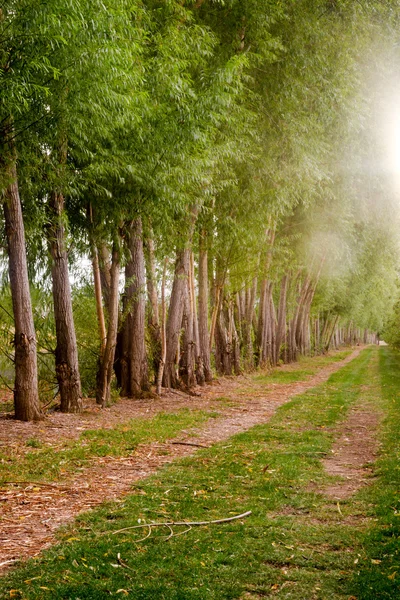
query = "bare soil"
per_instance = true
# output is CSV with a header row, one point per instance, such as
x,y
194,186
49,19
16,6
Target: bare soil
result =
x,y
30,514
353,452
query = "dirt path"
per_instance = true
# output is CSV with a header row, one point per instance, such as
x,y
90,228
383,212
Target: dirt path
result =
x,y
353,452
31,514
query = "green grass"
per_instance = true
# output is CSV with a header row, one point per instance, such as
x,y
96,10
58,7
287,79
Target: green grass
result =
x,y
295,545
302,370
379,577
50,463
46,462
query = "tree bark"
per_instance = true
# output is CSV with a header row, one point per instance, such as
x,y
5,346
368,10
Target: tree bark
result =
x,y
203,309
135,373
187,359
200,376
174,324
153,319
223,342
247,326
107,360
281,328
328,342
98,298
26,394
163,331
67,367
105,272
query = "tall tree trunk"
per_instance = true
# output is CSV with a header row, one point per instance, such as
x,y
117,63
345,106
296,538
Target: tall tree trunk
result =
x,y
223,342
262,323
106,361
235,341
200,377
281,327
153,319
328,342
67,368
135,375
263,312
26,394
174,324
180,290
105,272
98,297
248,352
187,359
298,319
163,330
203,309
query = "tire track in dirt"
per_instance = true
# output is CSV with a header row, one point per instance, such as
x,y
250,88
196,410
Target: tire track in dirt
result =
x,y
353,452
30,514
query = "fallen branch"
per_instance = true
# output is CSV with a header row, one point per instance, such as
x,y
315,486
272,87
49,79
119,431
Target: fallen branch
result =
x,y
189,444
121,562
182,523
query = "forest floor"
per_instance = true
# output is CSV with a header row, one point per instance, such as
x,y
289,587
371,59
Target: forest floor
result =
x,y
31,511
54,470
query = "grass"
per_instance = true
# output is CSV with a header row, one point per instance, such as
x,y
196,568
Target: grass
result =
x,y
302,370
380,576
297,544
49,463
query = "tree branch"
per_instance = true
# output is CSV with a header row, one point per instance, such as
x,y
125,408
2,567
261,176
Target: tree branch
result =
x,y
182,523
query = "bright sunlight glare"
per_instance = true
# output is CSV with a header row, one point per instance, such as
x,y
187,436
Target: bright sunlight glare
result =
x,y
392,135
394,156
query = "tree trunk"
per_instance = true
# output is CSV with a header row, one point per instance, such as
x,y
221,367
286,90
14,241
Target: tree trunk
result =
x,y
67,368
328,342
223,342
135,373
26,394
187,359
174,324
200,377
163,331
98,298
297,321
262,323
153,319
106,361
180,290
105,272
248,352
281,328
235,341
203,310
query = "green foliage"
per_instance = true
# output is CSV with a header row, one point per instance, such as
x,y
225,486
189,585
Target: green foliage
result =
x,y
86,332
391,329
252,115
87,335
45,336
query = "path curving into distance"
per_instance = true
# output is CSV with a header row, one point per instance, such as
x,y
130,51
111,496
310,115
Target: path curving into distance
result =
x,y
30,514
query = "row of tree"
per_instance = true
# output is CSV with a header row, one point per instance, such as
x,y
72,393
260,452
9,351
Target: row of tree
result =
x,y
201,153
